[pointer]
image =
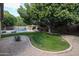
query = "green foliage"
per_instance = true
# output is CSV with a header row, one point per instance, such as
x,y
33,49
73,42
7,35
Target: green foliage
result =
x,y
51,15
9,20
25,14
19,21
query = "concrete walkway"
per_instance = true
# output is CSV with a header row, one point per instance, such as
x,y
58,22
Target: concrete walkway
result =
x,y
24,48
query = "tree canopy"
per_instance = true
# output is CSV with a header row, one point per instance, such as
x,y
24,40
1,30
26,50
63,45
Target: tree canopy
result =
x,y
19,21
9,20
50,15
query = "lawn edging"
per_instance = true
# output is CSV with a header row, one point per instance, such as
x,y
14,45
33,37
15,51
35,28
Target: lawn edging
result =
x,y
66,50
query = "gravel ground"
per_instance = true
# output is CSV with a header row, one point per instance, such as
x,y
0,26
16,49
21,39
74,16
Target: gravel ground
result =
x,y
8,47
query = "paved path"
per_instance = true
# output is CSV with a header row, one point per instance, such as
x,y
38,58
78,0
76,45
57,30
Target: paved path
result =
x,y
24,48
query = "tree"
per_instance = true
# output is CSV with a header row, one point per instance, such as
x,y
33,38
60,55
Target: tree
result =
x,y
49,15
25,14
19,21
9,20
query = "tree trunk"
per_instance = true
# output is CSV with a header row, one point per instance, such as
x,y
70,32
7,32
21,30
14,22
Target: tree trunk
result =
x,y
49,29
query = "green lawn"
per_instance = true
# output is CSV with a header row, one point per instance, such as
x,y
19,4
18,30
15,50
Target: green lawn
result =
x,y
45,41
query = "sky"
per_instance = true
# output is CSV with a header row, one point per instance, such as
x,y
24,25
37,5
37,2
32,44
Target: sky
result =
x,y
12,8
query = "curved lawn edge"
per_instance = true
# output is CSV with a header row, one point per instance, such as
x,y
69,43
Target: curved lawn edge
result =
x,y
69,48
63,51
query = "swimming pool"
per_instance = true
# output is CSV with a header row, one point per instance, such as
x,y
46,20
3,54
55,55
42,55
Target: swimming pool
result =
x,y
15,31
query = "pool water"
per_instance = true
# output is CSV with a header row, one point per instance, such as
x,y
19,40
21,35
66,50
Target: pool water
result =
x,y
21,30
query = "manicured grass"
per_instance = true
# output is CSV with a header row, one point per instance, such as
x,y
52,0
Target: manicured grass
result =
x,y
45,41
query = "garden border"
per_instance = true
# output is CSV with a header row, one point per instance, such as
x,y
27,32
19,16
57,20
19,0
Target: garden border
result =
x,y
66,50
